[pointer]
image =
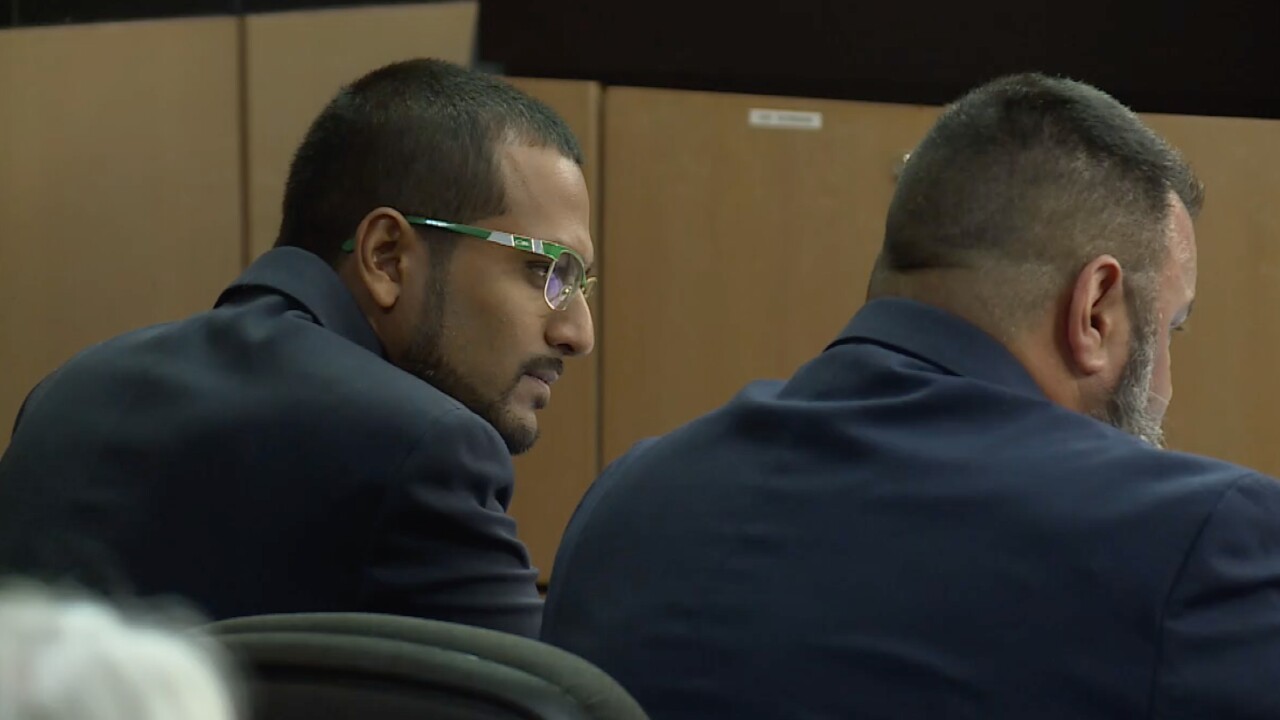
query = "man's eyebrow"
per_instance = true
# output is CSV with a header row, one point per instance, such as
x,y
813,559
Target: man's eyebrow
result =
x,y
591,265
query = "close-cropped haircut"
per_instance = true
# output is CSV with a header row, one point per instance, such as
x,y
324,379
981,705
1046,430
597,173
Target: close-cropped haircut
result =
x,y
422,136
1037,175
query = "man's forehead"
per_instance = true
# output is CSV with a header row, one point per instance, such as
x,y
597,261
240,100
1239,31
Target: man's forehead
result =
x,y
548,193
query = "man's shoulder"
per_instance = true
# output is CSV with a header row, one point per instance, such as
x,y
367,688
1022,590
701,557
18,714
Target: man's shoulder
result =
x,y
1160,473
365,395
1021,444
258,367
312,368
370,393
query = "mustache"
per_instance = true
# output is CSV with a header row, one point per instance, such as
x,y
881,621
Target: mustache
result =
x,y
542,364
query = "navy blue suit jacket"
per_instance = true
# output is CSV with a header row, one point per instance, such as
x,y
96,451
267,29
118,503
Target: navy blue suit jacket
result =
x,y
265,457
908,528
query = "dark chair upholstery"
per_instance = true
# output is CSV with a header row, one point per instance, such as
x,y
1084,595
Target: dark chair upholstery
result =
x,y
339,666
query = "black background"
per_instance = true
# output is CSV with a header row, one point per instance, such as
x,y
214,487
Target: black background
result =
x,y
1180,57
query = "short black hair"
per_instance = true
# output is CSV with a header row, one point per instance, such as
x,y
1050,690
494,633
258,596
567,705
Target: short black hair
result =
x,y
418,135
1036,170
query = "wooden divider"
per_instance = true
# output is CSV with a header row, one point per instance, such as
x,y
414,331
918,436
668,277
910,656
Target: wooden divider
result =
x,y
120,192
741,230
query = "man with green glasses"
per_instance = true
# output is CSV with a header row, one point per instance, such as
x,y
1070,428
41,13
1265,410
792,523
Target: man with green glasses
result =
x,y
336,433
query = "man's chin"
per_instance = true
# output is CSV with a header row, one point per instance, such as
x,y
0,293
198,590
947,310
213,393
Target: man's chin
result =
x,y
518,428
520,441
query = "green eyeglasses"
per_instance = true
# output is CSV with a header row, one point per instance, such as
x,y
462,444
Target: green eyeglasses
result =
x,y
566,275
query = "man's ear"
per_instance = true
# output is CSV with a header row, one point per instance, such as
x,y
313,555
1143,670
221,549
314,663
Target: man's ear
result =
x,y
1097,317
383,243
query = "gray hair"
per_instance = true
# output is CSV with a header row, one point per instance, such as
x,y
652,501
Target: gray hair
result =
x,y
67,656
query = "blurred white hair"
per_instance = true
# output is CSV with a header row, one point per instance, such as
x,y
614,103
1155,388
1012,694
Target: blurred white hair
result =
x,y
71,656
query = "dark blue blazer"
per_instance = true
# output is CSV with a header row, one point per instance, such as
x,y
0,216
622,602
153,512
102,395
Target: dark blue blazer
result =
x,y
908,528
265,457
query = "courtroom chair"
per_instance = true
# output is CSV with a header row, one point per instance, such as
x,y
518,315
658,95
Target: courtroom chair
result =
x,y
359,666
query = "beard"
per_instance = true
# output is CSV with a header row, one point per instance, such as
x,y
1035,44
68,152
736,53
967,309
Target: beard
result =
x,y
1130,407
425,359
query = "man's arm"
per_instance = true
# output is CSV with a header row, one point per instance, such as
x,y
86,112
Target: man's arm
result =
x,y
444,547
1220,656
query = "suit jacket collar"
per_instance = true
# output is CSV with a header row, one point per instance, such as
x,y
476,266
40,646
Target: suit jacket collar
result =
x,y
940,338
310,282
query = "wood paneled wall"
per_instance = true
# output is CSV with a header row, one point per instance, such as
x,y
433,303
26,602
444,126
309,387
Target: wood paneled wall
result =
x,y
120,187
736,251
